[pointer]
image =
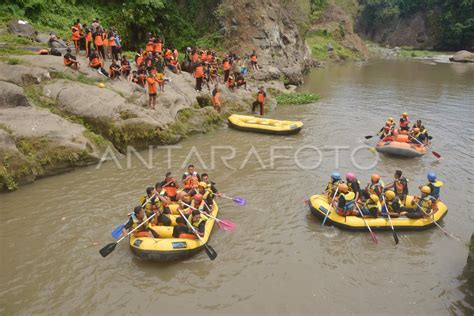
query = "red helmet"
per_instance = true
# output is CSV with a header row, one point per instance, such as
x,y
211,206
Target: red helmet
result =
x,y
197,197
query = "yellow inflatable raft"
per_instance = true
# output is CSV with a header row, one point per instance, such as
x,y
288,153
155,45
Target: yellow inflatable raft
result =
x,y
319,205
167,248
264,125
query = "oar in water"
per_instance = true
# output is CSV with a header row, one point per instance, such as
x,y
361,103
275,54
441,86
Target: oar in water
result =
x,y
239,200
104,252
438,225
372,234
436,154
222,223
211,253
118,230
395,236
330,204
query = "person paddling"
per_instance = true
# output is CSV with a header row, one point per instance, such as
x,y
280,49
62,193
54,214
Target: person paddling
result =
x,y
425,205
138,216
404,122
353,184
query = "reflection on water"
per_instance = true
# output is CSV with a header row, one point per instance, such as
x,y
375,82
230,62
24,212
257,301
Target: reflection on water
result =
x,y
280,259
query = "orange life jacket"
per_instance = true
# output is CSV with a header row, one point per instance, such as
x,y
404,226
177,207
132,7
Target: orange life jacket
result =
x,y
226,65
95,62
216,99
76,35
89,36
170,189
67,61
199,72
260,97
157,47
191,181
112,41
404,122
149,47
203,57
253,58
105,42
98,40
195,57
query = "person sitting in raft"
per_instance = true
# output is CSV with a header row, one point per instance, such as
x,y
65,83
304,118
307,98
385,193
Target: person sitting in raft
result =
x,y
375,186
394,204
353,184
393,124
332,184
195,202
400,185
346,202
415,136
404,122
207,196
114,70
434,185
170,185
70,60
386,130
387,134
425,205
136,218
190,179
211,185
154,204
371,207
196,219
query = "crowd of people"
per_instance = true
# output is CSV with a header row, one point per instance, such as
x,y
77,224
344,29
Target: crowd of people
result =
x,y
208,69
418,134
349,199
195,201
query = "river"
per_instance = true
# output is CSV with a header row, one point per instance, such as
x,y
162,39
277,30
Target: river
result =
x,y
279,260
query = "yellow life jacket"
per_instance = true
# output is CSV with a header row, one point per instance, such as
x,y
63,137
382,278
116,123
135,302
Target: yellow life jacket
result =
x,y
349,197
202,218
426,203
137,222
374,185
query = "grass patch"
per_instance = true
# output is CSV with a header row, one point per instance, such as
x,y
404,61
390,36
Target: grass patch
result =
x,y
125,115
10,50
407,52
80,77
319,42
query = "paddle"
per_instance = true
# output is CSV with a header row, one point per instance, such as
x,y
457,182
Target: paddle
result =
x,y
395,236
118,230
436,154
372,234
330,204
222,223
211,253
239,200
105,251
438,225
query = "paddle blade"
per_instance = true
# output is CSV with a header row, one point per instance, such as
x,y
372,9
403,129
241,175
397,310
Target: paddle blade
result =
x,y
104,252
369,136
436,154
239,200
117,232
211,253
226,225
374,238
395,237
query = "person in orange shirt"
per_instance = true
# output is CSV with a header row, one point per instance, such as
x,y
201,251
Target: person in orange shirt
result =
x,y
226,68
199,75
253,61
99,44
157,46
261,95
113,46
76,36
70,60
151,80
150,46
216,102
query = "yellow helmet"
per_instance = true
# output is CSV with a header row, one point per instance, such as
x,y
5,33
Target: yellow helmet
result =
x,y
374,198
426,189
390,195
101,85
202,184
404,114
390,119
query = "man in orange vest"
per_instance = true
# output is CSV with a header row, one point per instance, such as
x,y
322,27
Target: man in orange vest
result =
x,y
170,185
151,80
199,75
253,61
261,95
190,179
404,122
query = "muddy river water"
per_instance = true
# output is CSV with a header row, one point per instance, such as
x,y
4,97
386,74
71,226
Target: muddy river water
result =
x,y
279,260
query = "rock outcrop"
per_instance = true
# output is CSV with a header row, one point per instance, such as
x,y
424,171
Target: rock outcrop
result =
x,y
273,30
463,56
21,28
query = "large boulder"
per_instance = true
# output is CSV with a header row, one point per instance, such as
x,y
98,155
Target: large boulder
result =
x,y
21,28
12,95
463,56
21,74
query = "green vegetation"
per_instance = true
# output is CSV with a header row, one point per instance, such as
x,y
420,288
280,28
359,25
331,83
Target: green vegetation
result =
x,y
290,98
453,21
180,23
407,52
320,41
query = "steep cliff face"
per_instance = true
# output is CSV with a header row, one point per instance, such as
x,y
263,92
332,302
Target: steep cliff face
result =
x,y
415,31
274,29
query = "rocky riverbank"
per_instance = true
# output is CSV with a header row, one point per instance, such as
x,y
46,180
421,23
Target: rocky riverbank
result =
x,y
54,119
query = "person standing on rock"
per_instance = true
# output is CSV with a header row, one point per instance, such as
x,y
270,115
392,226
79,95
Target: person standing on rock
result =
x,y
216,102
199,75
261,95
151,80
253,61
